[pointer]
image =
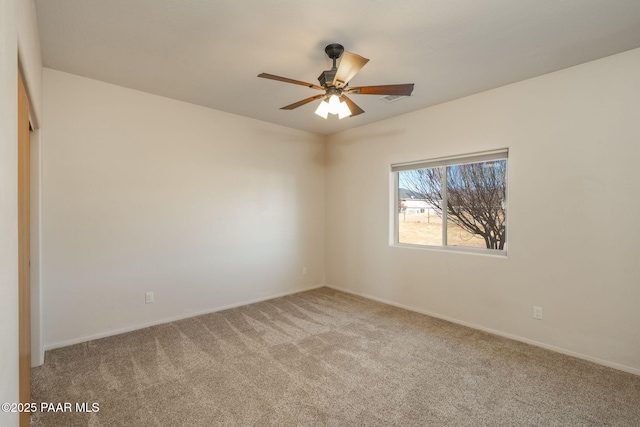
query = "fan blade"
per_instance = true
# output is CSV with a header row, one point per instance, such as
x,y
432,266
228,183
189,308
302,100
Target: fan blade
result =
x,y
355,110
304,101
403,90
287,80
350,64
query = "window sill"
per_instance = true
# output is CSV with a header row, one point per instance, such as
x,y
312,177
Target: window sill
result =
x,y
454,249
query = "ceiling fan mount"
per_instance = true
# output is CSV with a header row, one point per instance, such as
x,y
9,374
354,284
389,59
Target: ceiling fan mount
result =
x,y
334,84
334,51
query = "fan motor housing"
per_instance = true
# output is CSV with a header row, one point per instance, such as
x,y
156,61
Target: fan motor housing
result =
x,y
326,78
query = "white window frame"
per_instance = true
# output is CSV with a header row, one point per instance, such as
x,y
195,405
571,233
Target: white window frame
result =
x,y
485,156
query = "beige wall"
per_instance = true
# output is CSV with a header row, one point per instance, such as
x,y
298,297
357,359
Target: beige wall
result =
x,y
8,209
574,236
30,60
18,49
143,193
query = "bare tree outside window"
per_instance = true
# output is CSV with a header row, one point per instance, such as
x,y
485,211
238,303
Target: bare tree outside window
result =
x,y
474,195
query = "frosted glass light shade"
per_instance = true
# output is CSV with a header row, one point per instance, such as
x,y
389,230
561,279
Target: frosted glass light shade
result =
x,y
343,110
323,109
334,104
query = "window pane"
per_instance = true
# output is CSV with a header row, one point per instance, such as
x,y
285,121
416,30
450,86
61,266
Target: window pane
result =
x,y
471,189
476,204
419,206
459,236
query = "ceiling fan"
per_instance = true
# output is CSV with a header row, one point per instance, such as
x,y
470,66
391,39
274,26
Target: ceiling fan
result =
x,y
335,85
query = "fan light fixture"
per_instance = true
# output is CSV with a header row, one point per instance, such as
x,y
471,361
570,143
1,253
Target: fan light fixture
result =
x,y
333,106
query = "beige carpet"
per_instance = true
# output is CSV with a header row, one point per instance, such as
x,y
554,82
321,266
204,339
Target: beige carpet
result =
x,y
325,357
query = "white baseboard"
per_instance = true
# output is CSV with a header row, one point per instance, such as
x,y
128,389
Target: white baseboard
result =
x,y
112,332
561,350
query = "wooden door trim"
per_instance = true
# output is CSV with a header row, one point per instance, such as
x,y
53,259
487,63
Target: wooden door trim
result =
x,y
24,221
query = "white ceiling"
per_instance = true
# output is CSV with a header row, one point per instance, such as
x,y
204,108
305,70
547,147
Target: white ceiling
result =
x,y
209,52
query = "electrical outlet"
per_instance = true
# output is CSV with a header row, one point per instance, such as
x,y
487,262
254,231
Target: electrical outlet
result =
x,y
537,312
148,298
304,271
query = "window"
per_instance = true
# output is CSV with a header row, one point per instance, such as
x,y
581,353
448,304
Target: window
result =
x,y
458,203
